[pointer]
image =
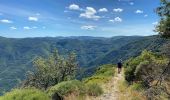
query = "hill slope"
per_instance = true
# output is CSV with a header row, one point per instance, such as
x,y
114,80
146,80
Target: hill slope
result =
x,y
17,54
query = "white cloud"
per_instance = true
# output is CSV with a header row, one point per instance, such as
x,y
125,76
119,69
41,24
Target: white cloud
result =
x,y
88,27
139,11
103,10
155,23
116,19
44,27
74,7
118,10
27,28
90,13
145,15
32,18
111,20
13,28
5,21
131,3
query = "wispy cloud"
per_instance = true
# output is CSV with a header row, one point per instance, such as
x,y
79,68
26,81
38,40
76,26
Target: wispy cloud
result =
x,y
103,10
117,10
9,10
32,18
145,15
128,30
132,3
5,21
88,27
13,28
90,13
138,11
155,23
27,28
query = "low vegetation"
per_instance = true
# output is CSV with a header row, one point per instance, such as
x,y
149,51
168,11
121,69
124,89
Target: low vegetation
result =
x,y
148,72
102,75
68,87
94,89
87,87
25,94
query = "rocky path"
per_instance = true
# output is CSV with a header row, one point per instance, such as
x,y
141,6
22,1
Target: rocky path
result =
x,y
111,89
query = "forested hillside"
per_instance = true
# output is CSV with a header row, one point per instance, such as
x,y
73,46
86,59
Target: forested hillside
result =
x,y
17,54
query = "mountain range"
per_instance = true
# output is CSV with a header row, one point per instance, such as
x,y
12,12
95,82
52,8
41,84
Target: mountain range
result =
x,y
17,54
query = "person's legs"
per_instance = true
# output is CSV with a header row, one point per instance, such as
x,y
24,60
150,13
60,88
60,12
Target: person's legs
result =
x,y
118,70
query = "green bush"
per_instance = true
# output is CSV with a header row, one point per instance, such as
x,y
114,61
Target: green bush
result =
x,y
94,90
145,68
96,79
25,94
102,75
145,61
137,86
67,87
106,70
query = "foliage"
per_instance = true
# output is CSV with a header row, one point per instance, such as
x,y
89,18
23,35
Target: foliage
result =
x,y
25,94
94,89
105,70
102,75
52,70
145,67
137,86
165,50
164,12
147,71
68,87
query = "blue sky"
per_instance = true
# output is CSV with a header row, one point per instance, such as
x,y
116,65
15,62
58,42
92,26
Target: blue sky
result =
x,y
101,18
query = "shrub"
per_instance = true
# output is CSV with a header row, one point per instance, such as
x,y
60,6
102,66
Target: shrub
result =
x,y
96,79
148,71
94,90
129,70
68,87
137,86
25,94
147,64
102,75
105,70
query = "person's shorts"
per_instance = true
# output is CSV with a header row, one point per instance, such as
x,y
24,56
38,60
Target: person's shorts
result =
x,y
119,67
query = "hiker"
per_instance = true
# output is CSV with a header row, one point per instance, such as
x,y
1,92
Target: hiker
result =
x,y
119,66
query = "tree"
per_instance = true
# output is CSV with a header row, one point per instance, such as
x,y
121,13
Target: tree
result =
x,y
163,28
52,70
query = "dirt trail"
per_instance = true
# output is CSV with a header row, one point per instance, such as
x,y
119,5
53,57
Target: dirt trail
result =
x,y
111,89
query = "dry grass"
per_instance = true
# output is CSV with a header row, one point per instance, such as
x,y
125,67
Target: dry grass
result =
x,y
115,89
127,93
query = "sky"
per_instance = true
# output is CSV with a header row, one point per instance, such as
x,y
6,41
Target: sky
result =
x,y
99,18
